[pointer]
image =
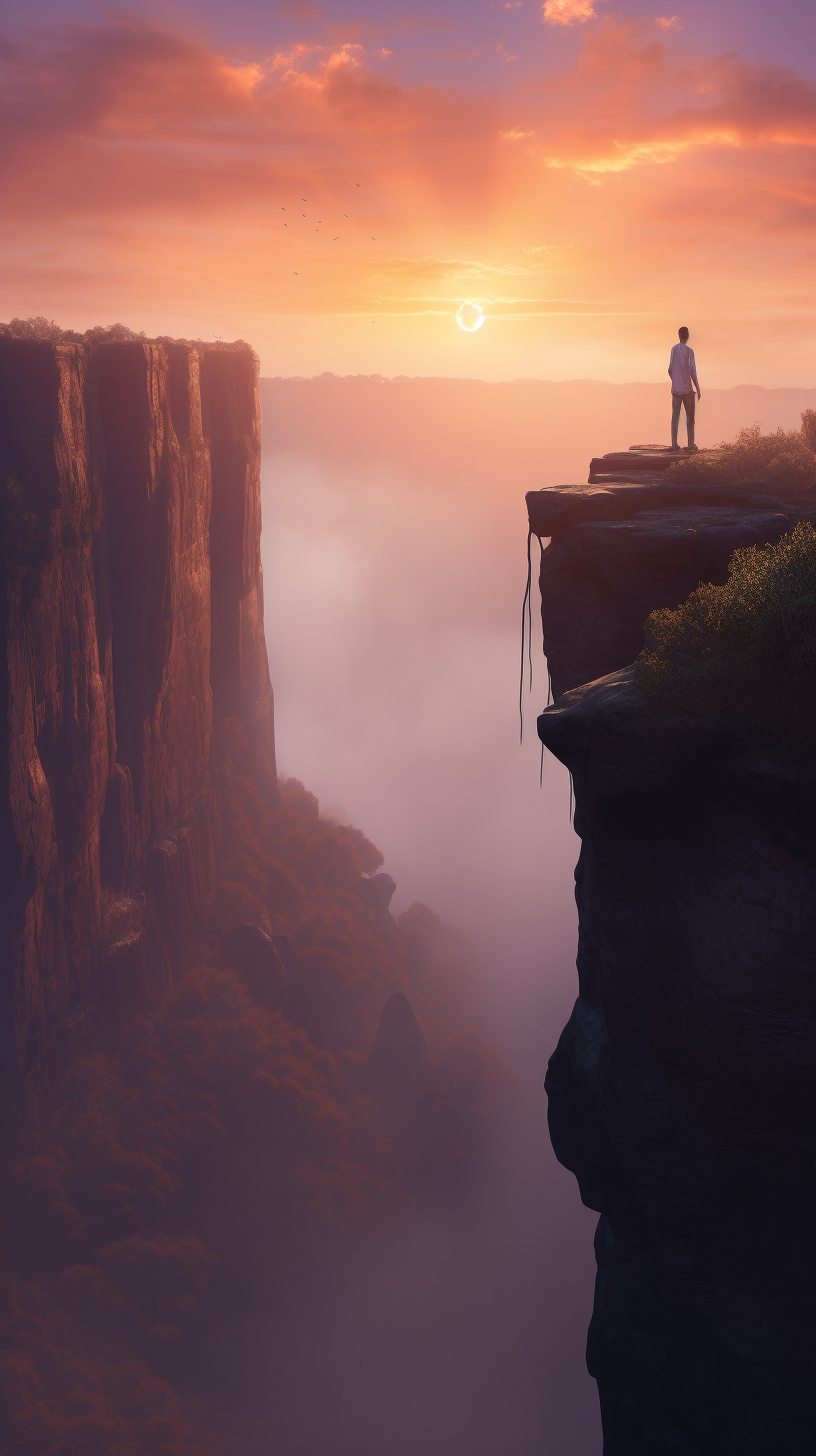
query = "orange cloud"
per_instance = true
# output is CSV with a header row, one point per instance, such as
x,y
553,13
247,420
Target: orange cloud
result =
x,y
146,176
567,12
748,107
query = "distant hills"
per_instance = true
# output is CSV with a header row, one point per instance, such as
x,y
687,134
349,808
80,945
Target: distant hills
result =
x,y
518,434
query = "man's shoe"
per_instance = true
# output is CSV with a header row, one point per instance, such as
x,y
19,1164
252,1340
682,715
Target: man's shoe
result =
x,y
692,449
675,450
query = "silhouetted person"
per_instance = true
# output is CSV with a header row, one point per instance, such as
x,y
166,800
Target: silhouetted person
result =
x,y
683,376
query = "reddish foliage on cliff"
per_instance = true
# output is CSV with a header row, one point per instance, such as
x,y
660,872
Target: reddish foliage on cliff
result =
x,y
229,1155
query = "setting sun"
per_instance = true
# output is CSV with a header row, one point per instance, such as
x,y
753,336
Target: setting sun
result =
x,y
470,316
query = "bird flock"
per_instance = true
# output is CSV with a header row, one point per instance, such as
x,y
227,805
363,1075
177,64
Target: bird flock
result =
x,y
335,237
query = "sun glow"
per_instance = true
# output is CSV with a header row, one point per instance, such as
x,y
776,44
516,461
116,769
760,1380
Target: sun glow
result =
x,y
470,316
171,205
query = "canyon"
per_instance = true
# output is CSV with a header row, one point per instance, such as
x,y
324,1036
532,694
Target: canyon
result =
x,y
133,622
681,1088
241,1095
144,836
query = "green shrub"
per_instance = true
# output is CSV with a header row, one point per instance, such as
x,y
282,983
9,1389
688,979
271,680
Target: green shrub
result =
x,y
781,458
746,648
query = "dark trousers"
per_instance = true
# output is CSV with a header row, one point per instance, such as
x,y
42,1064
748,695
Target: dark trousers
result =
x,y
689,401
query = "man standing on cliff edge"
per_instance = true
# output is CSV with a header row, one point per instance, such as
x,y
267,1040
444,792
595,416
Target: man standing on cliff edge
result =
x,y
683,376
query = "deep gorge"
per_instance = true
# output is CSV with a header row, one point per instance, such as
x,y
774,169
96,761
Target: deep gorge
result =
x,y
232,1075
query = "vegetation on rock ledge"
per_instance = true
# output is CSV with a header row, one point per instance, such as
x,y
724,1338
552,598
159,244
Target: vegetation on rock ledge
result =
x,y
746,648
785,457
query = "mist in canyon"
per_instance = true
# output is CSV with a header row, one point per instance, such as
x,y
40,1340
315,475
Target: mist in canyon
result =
x,y
273,1206
394,569
394,560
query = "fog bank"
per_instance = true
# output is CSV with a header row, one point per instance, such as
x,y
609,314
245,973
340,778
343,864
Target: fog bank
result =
x,y
393,598
394,558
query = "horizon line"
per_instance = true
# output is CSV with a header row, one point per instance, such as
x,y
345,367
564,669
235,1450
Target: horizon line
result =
x,y
523,379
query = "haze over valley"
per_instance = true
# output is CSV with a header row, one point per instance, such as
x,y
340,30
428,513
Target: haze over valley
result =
x,y
394,558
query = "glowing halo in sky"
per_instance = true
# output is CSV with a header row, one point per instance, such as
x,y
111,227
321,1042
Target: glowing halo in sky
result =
x,y
470,316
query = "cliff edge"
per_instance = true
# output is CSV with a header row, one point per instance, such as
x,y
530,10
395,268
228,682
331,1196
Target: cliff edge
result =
x,y
133,628
624,546
681,1090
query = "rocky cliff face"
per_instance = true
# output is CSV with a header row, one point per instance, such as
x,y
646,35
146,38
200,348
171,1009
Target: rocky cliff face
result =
x,y
680,1092
622,548
133,629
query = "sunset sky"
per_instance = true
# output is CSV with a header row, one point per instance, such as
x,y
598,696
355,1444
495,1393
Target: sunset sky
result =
x,y
330,181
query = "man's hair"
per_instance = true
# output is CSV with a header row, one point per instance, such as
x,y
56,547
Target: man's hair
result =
x,y
683,332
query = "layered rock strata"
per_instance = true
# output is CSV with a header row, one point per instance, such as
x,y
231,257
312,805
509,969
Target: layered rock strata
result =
x,y
639,462
681,1089
133,628
618,551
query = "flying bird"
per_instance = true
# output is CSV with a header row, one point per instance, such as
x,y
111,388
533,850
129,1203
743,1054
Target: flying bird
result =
x,y
357,185
337,239
303,214
283,209
373,239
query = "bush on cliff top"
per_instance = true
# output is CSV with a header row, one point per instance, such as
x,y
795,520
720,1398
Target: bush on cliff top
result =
x,y
44,330
781,458
745,648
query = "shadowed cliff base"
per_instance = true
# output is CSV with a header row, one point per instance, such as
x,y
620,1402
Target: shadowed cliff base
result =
x,y
681,1089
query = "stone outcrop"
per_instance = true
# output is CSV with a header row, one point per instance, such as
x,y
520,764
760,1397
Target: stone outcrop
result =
x,y
681,1091
398,1060
133,628
618,551
377,891
635,464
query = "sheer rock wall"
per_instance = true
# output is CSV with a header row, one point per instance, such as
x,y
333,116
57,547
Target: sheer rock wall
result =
x,y
681,1090
133,627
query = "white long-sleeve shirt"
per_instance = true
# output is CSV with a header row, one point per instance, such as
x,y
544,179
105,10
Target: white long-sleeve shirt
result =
x,y
683,370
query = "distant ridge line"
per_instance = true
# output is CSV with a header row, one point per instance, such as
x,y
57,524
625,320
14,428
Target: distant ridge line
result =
x,y
809,390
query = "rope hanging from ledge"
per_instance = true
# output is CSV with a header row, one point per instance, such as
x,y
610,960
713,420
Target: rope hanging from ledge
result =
x,y
527,630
